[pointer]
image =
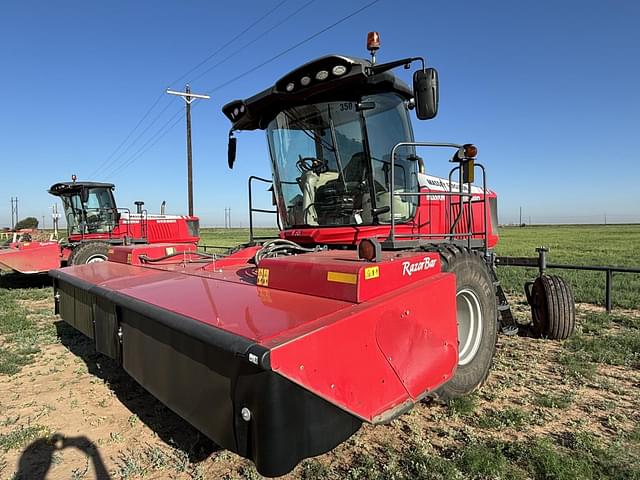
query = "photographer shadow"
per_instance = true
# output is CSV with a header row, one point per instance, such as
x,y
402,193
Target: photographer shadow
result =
x,y
37,458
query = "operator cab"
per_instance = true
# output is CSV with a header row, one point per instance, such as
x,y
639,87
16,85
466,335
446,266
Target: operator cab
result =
x,y
331,127
89,207
331,161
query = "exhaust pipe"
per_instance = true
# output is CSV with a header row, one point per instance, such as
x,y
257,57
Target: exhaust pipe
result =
x,y
162,207
139,205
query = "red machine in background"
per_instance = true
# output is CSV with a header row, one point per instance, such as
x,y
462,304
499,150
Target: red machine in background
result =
x,y
94,225
380,290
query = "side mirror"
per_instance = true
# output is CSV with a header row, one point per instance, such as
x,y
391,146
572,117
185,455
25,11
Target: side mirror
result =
x,y
84,195
425,90
231,150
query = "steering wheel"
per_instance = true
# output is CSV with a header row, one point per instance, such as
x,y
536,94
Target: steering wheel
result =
x,y
311,164
93,218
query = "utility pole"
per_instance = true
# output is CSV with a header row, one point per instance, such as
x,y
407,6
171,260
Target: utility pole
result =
x,y
227,217
55,216
189,97
520,216
14,212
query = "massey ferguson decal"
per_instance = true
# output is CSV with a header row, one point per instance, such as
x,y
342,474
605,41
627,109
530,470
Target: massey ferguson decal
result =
x,y
409,268
442,185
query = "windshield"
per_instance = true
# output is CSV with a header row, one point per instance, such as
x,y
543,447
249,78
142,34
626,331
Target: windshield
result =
x,y
97,215
331,162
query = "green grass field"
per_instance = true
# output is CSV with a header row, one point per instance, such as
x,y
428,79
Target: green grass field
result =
x,y
579,245
230,237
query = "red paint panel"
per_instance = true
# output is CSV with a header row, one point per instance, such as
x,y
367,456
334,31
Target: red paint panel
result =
x,y
154,228
375,357
131,253
227,303
433,216
421,343
341,275
30,257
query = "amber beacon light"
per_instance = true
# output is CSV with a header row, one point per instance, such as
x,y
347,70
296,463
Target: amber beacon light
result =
x,y
373,44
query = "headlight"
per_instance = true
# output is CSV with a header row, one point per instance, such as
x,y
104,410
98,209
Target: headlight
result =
x,y
339,70
322,75
290,86
304,81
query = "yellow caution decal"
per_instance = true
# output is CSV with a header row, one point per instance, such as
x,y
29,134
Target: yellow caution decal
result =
x,y
340,277
263,277
371,272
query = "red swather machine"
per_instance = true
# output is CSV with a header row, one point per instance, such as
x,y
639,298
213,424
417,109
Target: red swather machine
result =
x,y
380,290
94,225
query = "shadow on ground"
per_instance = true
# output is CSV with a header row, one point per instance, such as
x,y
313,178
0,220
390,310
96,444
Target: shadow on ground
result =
x,y
21,280
171,428
37,458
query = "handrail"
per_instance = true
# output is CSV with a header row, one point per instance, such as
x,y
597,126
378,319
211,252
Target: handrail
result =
x,y
461,194
259,210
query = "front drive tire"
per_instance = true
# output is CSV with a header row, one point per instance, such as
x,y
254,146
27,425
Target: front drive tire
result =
x,y
89,252
477,321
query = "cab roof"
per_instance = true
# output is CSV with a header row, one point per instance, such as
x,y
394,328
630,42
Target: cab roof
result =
x,y
69,188
358,79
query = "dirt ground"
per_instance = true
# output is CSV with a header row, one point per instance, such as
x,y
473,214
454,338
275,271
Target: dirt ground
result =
x,y
74,414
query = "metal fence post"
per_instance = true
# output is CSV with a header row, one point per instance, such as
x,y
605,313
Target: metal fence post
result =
x,y
607,298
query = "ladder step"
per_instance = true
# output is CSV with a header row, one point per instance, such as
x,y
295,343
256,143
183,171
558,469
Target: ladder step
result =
x,y
503,307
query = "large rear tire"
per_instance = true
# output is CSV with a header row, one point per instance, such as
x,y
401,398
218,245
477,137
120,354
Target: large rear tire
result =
x,y
477,321
89,252
553,310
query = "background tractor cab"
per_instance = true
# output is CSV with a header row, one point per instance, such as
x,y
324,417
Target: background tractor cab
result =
x,y
89,207
94,225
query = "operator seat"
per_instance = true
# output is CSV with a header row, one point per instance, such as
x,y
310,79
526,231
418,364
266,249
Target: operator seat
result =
x,y
309,182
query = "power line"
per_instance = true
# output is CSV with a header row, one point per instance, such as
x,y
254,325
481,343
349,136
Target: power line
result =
x,y
164,129
284,52
129,135
209,57
114,165
159,135
263,34
106,163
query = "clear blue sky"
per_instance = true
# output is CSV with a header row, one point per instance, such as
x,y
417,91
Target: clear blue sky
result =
x,y
547,90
